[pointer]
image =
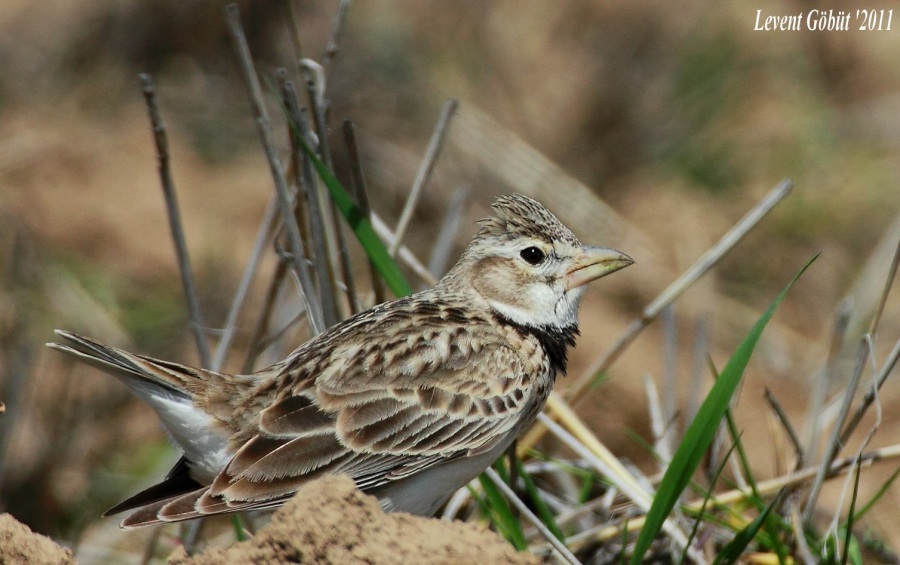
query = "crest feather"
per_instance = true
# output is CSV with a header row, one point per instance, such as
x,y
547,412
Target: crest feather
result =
x,y
518,215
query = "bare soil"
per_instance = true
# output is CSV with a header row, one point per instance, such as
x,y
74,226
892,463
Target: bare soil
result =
x,y
329,522
18,544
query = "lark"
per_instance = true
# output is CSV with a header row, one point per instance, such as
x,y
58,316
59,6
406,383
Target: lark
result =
x,y
412,399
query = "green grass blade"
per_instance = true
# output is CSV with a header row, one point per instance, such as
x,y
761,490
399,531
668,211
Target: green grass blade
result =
x,y
733,549
707,496
851,553
702,430
771,527
501,515
872,501
848,526
237,524
623,556
540,506
361,226
584,493
855,553
489,512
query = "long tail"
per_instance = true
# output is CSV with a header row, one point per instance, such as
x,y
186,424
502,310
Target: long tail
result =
x,y
178,394
140,373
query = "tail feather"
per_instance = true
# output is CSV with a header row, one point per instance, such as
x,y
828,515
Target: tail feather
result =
x,y
192,505
178,394
178,379
150,514
176,483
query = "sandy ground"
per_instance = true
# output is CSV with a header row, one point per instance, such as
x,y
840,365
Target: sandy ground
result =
x,y
18,544
328,522
331,522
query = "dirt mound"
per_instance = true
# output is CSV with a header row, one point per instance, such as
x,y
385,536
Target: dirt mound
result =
x,y
328,522
331,522
18,544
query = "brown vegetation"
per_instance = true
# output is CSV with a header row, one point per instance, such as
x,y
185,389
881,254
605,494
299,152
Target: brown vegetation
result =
x,y
679,118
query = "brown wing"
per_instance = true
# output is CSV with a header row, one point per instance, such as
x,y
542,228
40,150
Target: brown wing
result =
x,y
452,401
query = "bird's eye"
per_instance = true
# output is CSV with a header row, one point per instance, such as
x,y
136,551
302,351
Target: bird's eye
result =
x,y
532,255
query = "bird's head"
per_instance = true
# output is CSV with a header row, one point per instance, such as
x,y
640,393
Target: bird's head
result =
x,y
529,267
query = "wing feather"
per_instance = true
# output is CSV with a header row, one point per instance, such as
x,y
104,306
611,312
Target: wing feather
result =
x,y
381,433
293,417
378,417
298,457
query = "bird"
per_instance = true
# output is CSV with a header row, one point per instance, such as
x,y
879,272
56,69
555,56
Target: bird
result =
x,y
412,398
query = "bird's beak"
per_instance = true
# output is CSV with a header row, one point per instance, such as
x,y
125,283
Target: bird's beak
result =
x,y
595,262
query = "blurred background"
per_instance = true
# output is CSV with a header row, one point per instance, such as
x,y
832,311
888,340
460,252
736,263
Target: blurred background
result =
x,y
665,123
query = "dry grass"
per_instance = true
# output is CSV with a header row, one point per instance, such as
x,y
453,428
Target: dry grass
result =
x,y
648,129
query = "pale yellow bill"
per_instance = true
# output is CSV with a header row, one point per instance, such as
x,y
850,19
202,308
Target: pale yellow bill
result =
x,y
593,263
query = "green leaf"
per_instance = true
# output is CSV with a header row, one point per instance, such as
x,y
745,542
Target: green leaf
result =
x,y
733,549
361,226
501,515
848,526
237,523
771,526
702,430
858,515
540,505
707,496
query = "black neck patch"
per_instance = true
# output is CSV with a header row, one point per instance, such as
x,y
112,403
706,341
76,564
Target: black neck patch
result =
x,y
554,341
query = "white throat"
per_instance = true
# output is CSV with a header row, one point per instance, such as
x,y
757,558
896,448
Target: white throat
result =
x,y
562,313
